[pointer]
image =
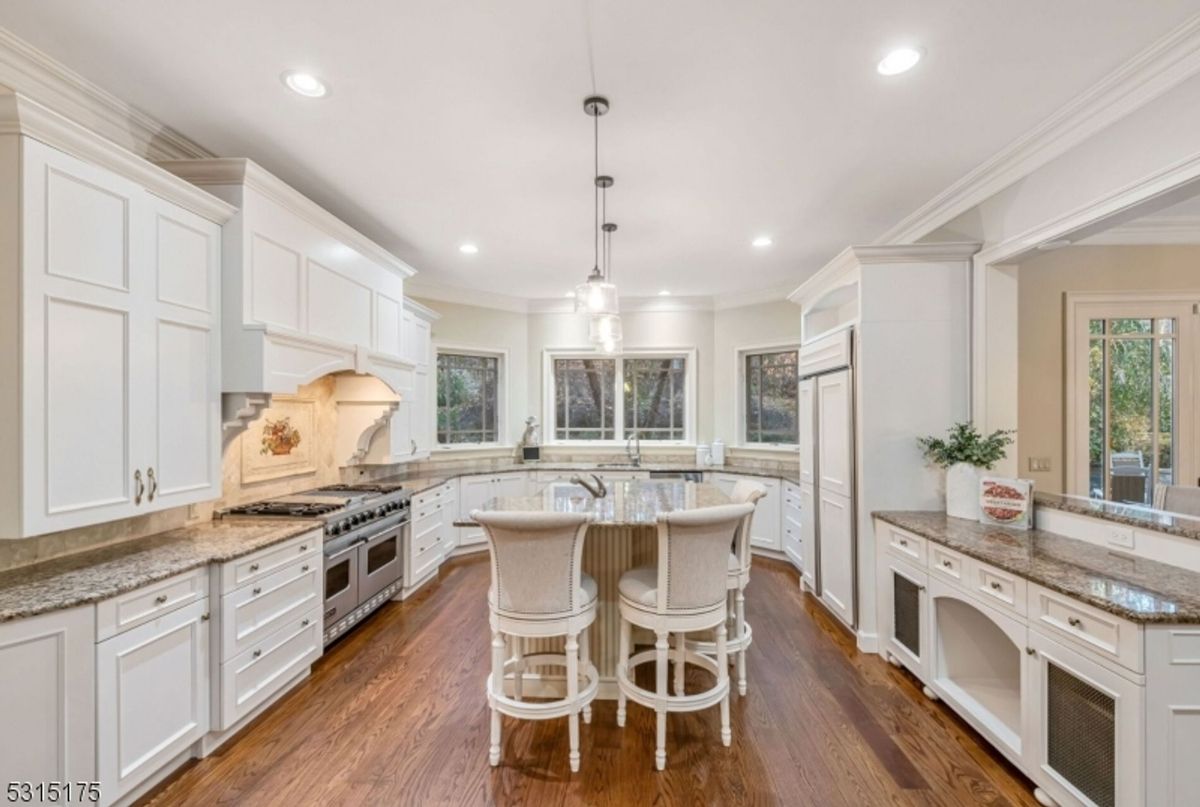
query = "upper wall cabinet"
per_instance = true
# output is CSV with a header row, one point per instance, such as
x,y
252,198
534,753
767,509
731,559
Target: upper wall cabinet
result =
x,y
109,330
303,293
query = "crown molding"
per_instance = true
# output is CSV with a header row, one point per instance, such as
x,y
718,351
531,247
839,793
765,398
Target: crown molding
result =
x,y
21,115
1165,64
846,264
423,311
428,290
1149,231
27,70
741,299
227,171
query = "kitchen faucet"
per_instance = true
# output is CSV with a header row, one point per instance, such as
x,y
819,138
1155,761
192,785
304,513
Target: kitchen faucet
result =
x,y
635,456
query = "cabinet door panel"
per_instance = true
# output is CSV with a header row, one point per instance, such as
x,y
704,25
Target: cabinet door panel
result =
x,y
422,413
835,438
836,528
48,697
153,696
183,377
807,423
766,527
474,491
808,537
80,308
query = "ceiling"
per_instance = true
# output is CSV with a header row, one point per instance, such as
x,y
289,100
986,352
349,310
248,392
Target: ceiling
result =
x,y
451,121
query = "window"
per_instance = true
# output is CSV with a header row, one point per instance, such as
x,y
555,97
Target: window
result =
x,y
584,396
771,383
467,398
1130,403
654,398
612,398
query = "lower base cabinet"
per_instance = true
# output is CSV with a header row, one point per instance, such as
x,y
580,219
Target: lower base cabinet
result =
x,y
154,697
48,697
907,642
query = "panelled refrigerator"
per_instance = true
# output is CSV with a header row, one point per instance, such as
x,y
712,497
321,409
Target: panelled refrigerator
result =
x,y
827,473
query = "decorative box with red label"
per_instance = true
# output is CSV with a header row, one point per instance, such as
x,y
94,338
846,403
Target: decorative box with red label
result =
x,y
1008,502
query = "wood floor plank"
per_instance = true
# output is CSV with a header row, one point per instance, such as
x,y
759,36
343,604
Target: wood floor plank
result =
x,y
396,714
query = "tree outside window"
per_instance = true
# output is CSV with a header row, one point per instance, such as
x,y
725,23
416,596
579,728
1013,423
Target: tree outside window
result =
x,y
771,388
467,398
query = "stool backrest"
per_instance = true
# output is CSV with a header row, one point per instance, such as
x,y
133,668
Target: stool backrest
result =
x,y
536,560
746,492
1178,499
693,556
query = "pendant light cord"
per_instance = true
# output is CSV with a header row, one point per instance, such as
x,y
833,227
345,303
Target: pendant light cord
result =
x,y
596,187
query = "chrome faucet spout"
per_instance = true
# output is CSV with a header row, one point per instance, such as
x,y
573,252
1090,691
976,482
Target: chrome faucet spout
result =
x,y
634,455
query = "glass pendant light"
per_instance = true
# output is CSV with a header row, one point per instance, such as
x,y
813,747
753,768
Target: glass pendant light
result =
x,y
605,329
597,295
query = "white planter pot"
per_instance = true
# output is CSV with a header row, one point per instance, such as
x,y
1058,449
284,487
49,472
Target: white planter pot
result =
x,y
962,491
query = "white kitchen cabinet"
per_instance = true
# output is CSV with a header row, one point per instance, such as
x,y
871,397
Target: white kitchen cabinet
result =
x,y
1086,745
152,700
792,518
808,537
422,414
475,491
118,345
835,517
48,697
305,294
417,340
806,420
766,531
907,633
835,434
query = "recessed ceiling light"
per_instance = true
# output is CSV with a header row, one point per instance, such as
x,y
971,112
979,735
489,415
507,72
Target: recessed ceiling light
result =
x,y
899,61
468,249
664,293
762,241
305,84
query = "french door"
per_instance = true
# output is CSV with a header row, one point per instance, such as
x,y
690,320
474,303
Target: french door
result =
x,y
1131,402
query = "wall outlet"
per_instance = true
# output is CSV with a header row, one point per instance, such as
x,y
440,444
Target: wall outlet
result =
x,y
1041,464
1120,536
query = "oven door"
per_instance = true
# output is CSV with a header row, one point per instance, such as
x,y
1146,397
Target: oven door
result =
x,y
380,561
341,582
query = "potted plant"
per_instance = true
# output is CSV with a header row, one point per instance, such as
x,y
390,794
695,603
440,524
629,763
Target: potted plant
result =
x,y
963,453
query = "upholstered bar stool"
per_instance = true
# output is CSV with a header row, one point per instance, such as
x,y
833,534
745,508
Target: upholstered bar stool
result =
x,y
685,593
539,590
739,632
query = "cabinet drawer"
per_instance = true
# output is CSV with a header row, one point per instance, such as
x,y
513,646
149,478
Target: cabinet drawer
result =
x,y
905,544
139,606
426,558
263,668
427,498
425,522
997,587
427,537
254,611
947,563
1104,633
245,570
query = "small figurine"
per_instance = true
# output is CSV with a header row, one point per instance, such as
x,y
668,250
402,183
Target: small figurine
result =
x,y
530,437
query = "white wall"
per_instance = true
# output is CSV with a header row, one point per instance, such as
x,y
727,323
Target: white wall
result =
x,y
1042,282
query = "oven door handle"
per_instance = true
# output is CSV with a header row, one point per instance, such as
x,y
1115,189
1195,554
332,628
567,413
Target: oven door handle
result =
x,y
366,539
341,552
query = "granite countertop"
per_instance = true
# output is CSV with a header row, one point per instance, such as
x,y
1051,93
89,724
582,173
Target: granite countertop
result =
x,y
634,503
1131,515
1137,589
98,574
427,480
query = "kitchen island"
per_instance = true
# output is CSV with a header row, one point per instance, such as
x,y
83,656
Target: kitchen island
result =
x,y
621,536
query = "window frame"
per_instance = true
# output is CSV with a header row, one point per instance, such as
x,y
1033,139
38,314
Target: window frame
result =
x,y
739,403
501,357
690,387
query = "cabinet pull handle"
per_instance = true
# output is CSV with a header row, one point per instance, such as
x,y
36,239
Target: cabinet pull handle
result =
x,y
304,624
947,564
414,446
153,483
1075,622
995,586
303,547
304,568
140,489
903,542
160,599
257,591
254,567
256,653
204,617
1029,651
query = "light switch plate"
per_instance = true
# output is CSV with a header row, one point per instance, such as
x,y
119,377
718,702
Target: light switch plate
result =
x,y
1041,464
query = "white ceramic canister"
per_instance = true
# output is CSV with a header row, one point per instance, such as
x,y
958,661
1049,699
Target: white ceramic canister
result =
x,y
703,457
718,452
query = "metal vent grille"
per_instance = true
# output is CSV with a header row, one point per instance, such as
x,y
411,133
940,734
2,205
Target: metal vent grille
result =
x,y
906,607
1081,740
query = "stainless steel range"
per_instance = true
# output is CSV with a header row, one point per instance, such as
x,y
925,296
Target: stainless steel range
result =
x,y
365,529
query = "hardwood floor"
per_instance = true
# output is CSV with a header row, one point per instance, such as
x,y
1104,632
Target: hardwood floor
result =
x,y
395,714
